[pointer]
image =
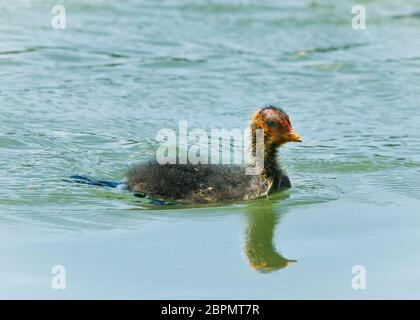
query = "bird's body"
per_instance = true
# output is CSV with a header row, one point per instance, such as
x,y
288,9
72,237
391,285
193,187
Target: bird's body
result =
x,y
200,183
203,183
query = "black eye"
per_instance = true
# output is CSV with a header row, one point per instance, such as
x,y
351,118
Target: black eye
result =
x,y
271,124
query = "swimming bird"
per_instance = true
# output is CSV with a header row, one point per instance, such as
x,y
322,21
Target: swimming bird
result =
x,y
209,183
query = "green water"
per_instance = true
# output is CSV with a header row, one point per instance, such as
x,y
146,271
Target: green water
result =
x,y
90,99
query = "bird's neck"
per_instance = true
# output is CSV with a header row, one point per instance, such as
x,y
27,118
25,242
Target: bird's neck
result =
x,y
271,169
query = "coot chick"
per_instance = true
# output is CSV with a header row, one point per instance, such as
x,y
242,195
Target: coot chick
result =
x,y
205,183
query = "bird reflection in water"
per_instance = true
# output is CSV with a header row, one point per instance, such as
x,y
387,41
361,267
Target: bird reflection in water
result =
x,y
259,247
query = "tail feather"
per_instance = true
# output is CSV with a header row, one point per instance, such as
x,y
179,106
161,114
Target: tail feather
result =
x,y
113,184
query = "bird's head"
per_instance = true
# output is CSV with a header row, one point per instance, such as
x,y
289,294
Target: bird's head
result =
x,y
276,126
